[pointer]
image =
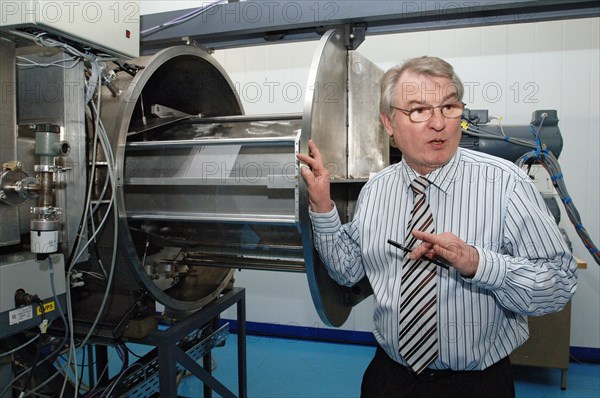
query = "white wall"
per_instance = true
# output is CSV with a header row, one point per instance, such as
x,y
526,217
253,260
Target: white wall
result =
x,y
510,70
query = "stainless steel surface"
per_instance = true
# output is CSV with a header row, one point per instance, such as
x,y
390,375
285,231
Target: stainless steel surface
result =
x,y
326,104
16,188
324,120
55,96
200,194
368,144
44,225
164,111
9,227
158,200
336,100
248,175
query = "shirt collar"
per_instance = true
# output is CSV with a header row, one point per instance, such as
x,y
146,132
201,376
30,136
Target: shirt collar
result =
x,y
442,178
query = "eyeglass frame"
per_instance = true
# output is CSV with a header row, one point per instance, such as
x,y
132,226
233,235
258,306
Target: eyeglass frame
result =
x,y
408,112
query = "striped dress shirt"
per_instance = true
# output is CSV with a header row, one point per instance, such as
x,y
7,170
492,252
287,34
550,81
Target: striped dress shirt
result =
x,y
525,267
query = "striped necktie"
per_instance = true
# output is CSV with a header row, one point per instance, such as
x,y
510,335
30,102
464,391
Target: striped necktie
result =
x,y
418,292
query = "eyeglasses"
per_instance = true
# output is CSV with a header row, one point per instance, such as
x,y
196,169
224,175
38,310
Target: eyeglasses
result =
x,y
452,110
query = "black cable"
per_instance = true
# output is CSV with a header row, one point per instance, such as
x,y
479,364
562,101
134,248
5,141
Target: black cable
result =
x,y
124,355
60,346
82,368
37,357
130,351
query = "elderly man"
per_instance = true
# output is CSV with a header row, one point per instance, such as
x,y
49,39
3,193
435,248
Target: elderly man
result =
x,y
458,246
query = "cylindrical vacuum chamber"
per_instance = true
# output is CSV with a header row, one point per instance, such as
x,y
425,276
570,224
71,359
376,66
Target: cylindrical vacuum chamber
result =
x,y
203,189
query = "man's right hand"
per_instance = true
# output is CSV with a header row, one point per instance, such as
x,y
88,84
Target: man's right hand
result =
x,y
316,177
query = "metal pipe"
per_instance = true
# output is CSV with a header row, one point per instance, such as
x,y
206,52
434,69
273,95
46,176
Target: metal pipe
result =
x,y
46,196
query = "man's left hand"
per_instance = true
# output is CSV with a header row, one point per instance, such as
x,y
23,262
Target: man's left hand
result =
x,y
448,248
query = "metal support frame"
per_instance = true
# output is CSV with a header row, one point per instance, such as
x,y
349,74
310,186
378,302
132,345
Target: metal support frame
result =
x,y
169,354
253,22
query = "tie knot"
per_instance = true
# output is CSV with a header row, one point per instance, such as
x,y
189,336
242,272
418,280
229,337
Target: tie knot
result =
x,y
419,185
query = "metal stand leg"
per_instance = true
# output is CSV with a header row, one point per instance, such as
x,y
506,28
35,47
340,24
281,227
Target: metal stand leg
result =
x,y
167,371
170,354
101,364
90,364
208,367
563,379
241,318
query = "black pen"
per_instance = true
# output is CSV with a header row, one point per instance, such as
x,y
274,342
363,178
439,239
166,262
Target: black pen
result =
x,y
407,250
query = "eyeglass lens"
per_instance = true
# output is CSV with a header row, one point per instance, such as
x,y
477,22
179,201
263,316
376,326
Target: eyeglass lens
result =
x,y
450,111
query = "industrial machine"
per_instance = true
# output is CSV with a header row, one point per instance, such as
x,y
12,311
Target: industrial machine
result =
x,y
127,183
156,187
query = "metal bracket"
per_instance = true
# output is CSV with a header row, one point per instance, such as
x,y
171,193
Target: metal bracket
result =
x,y
354,35
128,68
165,112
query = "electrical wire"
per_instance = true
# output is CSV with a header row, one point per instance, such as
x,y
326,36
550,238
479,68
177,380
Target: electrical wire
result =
x,y
107,149
88,387
32,369
105,144
77,251
93,85
63,369
550,163
88,207
541,155
52,354
125,346
180,19
480,132
60,310
99,136
58,63
33,391
116,381
93,391
7,353
82,369
95,275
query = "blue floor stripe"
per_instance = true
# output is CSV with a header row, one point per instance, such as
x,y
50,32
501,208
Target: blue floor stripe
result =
x,y
304,332
585,354
578,354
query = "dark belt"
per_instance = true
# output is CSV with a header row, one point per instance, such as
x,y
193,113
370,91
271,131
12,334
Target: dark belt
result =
x,y
430,375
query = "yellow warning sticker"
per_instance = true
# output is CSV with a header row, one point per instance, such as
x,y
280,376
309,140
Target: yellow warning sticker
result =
x,y
48,307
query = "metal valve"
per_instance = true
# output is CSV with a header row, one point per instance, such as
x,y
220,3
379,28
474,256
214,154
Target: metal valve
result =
x,y
45,225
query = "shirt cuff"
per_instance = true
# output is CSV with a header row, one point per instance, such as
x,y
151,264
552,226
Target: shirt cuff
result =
x,y
491,270
326,223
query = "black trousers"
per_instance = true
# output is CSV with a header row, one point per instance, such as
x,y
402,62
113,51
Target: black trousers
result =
x,y
385,378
